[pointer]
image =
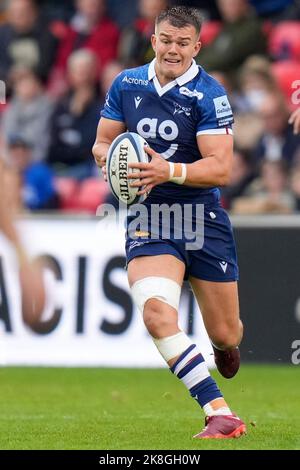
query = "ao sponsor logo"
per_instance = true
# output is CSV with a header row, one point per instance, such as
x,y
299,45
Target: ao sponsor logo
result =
x,y
148,128
168,130
135,81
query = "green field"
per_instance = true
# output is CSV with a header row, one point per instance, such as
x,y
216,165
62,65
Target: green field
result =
x,y
58,408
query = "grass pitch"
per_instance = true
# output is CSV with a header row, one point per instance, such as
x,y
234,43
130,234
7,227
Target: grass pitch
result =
x,y
56,408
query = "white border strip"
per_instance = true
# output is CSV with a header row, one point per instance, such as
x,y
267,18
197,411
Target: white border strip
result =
x,y
265,221
223,130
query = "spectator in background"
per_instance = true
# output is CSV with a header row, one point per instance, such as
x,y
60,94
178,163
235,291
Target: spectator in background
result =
x,y
255,83
240,37
29,112
107,77
36,179
75,119
278,141
25,40
269,193
3,7
135,45
90,29
242,174
122,16
33,295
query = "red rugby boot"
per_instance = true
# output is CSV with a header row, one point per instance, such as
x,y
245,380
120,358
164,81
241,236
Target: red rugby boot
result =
x,y
222,427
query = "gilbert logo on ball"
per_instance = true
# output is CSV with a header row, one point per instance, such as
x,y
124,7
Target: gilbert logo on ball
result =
x,y
126,148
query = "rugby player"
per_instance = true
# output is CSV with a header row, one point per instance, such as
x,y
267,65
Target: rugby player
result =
x,y
185,116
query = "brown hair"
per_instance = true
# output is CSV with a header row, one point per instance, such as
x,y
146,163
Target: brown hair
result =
x,y
181,16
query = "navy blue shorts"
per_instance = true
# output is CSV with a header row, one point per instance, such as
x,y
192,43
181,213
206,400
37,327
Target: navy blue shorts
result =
x,y
215,261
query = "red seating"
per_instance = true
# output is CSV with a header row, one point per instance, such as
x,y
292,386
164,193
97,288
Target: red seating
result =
x,y
287,75
284,41
83,196
59,29
66,189
92,193
209,31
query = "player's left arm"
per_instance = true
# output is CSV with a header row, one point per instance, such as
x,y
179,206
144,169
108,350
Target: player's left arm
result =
x,y
214,168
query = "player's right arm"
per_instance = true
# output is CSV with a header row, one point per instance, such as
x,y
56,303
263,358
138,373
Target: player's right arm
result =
x,y
107,131
112,122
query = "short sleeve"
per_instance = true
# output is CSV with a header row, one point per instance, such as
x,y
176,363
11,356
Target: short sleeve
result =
x,y
113,101
215,115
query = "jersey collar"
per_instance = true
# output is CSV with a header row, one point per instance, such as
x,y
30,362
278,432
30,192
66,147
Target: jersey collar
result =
x,y
182,80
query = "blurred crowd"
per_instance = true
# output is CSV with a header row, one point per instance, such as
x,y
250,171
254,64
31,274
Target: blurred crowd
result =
x,y
58,59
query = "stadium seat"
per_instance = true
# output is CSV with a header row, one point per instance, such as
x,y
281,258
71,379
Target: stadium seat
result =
x,y
284,41
209,30
67,189
287,75
92,193
59,29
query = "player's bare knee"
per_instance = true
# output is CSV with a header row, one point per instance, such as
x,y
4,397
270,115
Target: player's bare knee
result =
x,y
227,338
159,317
158,299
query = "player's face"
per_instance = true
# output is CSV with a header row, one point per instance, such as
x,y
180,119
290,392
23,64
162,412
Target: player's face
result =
x,y
174,49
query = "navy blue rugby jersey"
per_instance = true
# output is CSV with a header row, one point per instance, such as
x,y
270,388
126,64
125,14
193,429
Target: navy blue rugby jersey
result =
x,y
170,118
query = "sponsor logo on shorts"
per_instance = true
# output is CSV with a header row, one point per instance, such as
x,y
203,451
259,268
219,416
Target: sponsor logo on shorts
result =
x,y
223,265
141,234
135,245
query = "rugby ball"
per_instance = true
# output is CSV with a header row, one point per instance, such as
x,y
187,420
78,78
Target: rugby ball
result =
x,y
126,148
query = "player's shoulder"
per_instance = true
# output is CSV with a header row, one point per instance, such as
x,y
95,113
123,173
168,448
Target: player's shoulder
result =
x,y
208,85
134,76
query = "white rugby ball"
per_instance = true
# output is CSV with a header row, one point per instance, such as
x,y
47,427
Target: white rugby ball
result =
x,y
126,148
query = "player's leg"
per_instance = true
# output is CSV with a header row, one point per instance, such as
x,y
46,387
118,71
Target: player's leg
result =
x,y
156,283
216,262
213,275
219,305
218,302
